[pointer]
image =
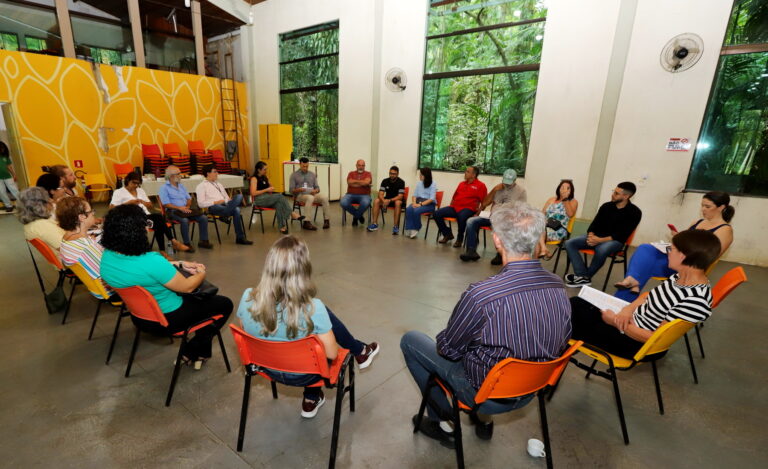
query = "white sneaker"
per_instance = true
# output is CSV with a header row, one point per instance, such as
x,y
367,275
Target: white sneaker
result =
x,y
413,234
309,408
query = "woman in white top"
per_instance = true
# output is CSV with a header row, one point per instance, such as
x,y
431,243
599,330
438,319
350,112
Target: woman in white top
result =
x,y
132,194
35,210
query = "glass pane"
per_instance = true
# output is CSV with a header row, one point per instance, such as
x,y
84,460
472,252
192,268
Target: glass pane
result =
x,y
508,46
9,41
175,54
323,42
324,71
732,152
36,29
103,42
466,14
748,23
314,116
481,119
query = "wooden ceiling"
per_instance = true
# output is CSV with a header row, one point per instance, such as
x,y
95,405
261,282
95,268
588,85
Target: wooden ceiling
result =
x,y
215,20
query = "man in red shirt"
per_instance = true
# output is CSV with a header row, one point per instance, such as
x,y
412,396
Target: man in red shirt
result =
x,y
464,204
358,192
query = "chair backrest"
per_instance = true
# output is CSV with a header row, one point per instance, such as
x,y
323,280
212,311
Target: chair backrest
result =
x,y
47,252
732,279
121,169
217,155
512,377
712,265
570,224
95,286
439,200
171,149
405,196
306,356
195,147
142,304
663,338
150,150
628,243
96,179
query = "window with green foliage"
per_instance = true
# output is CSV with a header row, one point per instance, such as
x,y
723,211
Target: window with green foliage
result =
x,y
9,41
106,56
35,43
480,76
732,150
309,90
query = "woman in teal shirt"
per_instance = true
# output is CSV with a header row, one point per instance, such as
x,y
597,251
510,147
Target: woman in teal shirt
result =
x,y
128,261
283,308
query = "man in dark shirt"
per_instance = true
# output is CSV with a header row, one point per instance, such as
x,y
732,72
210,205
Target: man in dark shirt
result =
x,y
614,223
391,194
522,312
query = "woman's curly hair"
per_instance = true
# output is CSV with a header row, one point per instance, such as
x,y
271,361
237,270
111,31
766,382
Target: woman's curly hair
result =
x,y
125,231
33,204
68,212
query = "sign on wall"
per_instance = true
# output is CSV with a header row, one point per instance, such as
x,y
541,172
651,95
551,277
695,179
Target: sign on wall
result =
x,y
678,144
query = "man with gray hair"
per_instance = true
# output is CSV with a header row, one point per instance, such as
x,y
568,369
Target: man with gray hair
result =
x,y
522,312
178,207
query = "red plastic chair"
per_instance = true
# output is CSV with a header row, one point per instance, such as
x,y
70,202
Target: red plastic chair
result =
x,y
507,379
50,255
154,161
256,210
222,166
344,213
143,305
430,217
618,257
200,156
173,152
305,356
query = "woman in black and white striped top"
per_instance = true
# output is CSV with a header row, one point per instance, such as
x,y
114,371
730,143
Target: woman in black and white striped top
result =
x,y
686,295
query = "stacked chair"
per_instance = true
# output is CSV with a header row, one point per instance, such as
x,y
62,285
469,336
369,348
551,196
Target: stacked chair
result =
x,y
199,155
154,161
173,153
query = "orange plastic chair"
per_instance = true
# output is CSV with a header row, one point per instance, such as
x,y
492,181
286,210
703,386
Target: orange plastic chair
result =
x,y
122,169
171,149
50,255
509,378
97,289
149,151
618,257
652,350
200,156
222,166
304,356
428,215
143,305
344,212
256,210
154,161
173,152
197,148
403,205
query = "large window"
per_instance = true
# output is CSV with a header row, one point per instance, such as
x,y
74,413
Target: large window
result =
x,y
732,151
309,90
480,76
9,41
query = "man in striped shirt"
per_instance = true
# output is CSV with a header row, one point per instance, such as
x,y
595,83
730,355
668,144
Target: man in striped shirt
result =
x,y
522,312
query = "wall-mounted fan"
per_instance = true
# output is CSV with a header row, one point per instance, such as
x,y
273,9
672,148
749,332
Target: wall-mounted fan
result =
x,y
682,52
396,79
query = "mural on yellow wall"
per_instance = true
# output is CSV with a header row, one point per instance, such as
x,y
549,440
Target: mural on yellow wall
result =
x,y
61,104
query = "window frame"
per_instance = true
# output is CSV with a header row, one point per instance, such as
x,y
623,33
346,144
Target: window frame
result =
x,y
18,43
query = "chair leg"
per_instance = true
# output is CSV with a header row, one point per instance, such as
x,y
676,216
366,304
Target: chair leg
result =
x,y
95,317
133,352
216,225
315,217
244,411
545,429
274,390
176,369
337,418
423,405
658,387
351,386
261,220
250,220
557,258
69,302
617,394
114,335
457,432
610,269
698,337
690,359
426,231
223,351
591,369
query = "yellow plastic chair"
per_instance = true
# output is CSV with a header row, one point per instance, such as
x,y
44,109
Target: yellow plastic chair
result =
x,y
653,349
97,289
561,243
96,182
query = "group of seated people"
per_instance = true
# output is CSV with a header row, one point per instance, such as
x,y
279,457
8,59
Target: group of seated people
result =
x,y
532,315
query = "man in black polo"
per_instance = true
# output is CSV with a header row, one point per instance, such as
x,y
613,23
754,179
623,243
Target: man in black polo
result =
x,y
391,194
614,223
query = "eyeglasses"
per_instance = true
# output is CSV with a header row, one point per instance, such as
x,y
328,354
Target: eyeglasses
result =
x,y
89,212
393,174
669,249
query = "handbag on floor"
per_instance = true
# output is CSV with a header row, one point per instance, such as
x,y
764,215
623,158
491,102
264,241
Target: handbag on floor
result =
x,y
56,300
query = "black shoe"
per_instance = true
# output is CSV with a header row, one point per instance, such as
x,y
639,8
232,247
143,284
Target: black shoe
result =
x,y
361,220
578,281
355,222
483,430
432,429
445,238
225,220
470,255
496,260
244,241
205,244
9,209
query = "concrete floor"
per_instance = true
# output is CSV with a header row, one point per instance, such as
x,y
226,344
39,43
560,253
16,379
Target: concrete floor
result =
x,y
62,407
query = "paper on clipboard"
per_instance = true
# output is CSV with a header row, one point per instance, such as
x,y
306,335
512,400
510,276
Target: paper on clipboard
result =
x,y
601,299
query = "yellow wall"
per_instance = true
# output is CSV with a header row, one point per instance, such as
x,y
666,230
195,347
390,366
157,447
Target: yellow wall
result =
x,y
59,109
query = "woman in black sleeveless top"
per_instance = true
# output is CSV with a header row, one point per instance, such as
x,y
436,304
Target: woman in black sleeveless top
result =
x,y
263,195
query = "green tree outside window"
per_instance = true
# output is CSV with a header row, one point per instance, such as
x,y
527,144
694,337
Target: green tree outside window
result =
x,y
35,43
9,41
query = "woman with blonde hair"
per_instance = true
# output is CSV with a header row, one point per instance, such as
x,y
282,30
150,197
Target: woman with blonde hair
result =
x,y
283,308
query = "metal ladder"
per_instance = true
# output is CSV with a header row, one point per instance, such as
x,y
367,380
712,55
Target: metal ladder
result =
x,y
230,110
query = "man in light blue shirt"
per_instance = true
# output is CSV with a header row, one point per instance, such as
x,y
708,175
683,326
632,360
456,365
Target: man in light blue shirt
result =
x,y
177,203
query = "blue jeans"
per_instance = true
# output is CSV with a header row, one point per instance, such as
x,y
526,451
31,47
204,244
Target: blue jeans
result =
x,y
473,230
413,216
8,185
461,219
422,359
602,251
202,221
343,337
646,262
359,212
230,209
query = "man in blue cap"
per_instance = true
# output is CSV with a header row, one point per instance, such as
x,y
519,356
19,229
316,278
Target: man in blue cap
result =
x,y
506,192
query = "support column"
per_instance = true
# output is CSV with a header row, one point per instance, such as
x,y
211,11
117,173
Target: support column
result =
x,y
197,30
138,39
65,28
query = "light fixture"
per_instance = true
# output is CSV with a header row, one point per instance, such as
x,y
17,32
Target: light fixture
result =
x,y
187,3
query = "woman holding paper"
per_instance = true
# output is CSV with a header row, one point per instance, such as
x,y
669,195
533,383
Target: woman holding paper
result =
x,y
685,295
649,261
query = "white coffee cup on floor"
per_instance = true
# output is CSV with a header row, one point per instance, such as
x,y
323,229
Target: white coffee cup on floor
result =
x,y
536,448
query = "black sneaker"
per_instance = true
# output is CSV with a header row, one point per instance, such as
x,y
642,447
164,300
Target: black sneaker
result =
x,y
470,255
309,408
496,260
432,429
205,244
577,281
244,241
361,220
355,222
483,430
369,351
